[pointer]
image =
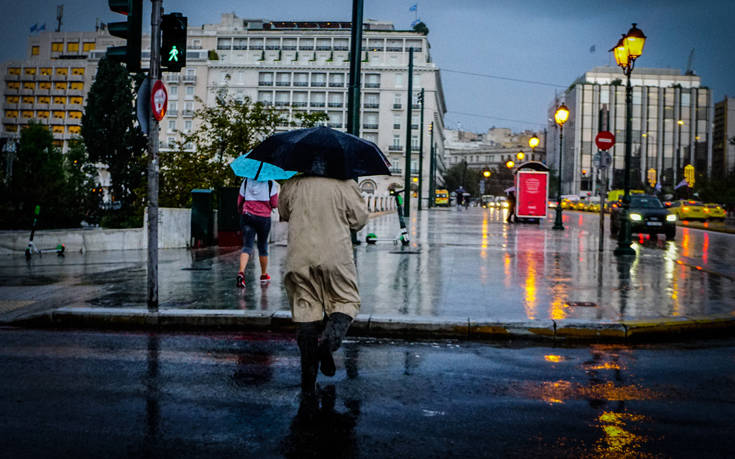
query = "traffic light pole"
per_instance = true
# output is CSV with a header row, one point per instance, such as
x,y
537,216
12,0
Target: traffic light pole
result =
x,y
421,150
153,166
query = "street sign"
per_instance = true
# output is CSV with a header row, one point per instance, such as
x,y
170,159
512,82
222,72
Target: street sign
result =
x,y
143,105
602,160
159,100
604,140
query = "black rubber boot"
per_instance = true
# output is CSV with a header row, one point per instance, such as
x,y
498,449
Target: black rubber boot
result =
x,y
308,341
331,339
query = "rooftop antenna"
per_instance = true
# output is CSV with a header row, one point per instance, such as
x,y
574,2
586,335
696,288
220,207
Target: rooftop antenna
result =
x,y
59,15
690,63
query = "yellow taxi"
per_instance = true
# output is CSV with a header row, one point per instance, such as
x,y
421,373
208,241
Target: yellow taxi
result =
x,y
441,198
715,211
687,209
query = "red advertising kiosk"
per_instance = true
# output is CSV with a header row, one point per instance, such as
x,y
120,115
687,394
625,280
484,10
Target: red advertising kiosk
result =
x,y
532,191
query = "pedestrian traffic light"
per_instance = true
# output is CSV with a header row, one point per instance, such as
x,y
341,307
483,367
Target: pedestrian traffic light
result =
x,y
130,30
173,48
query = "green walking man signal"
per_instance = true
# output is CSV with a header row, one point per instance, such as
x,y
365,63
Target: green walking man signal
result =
x,y
173,55
173,43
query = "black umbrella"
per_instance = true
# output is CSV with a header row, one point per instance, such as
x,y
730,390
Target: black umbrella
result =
x,y
322,151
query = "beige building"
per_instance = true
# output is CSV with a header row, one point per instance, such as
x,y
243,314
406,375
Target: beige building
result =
x,y
491,149
304,67
294,66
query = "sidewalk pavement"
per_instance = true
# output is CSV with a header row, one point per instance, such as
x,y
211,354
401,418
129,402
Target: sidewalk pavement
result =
x,y
466,275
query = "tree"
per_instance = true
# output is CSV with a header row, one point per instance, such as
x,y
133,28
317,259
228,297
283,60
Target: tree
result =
x,y
38,179
307,120
227,130
421,28
112,138
85,194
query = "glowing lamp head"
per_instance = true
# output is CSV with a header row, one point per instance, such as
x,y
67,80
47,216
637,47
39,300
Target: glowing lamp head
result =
x,y
486,173
533,142
509,164
415,179
561,115
520,155
621,53
634,42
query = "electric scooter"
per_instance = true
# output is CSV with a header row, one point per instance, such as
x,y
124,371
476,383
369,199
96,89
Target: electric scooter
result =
x,y
31,247
401,237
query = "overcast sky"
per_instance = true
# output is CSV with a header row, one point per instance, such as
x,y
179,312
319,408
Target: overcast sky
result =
x,y
545,41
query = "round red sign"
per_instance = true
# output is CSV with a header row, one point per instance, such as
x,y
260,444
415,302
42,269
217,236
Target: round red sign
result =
x,y
604,140
159,100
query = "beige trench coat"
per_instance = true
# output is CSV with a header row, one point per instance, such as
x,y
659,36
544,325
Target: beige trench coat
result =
x,y
320,269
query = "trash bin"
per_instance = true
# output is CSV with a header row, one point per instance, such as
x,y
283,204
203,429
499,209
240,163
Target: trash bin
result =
x,y
202,219
228,219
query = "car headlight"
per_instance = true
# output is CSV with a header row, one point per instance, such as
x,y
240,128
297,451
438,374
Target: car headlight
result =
x,y
671,218
636,217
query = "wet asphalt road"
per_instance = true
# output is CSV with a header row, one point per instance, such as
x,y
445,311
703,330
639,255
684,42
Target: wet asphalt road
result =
x,y
92,394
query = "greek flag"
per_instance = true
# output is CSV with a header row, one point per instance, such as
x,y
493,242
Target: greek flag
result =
x,y
34,27
681,184
658,186
413,7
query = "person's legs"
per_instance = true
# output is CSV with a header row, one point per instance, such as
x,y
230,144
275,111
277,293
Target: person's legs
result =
x,y
335,330
308,342
263,230
248,240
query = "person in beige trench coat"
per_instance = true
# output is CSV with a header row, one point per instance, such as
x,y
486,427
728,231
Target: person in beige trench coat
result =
x,y
321,278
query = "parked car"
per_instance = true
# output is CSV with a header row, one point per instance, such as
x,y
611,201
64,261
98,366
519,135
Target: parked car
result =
x,y
647,215
686,209
715,211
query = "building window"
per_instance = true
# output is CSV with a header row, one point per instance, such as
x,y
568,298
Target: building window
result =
x,y
58,129
75,115
57,47
29,85
35,50
60,85
187,126
173,91
59,99
77,71
59,115
13,70
74,129
44,85
62,71
77,86
46,71
30,70
171,125
88,46
399,80
72,47
190,92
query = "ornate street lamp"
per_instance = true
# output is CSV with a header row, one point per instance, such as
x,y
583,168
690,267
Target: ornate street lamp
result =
x,y
533,142
520,155
560,116
626,51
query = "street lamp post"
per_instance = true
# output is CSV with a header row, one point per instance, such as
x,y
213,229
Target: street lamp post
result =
x,y
533,143
627,50
560,116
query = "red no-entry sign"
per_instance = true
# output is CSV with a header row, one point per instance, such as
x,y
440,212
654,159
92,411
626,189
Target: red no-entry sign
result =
x,y
604,140
159,100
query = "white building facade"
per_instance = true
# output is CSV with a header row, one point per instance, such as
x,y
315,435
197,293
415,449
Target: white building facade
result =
x,y
671,128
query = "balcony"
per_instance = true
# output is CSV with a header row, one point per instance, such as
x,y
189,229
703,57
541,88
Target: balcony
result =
x,y
394,49
395,148
74,92
336,84
318,84
288,47
40,77
189,78
317,104
301,83
172,78
187,113
283,83
324,48
272,47
335,125
9,77
266,103
298,104
341,48
397,106
172,112
372,85
282,103
396,170
306,48
76,77
26,106
414,126
370,105
7,120
46,107
72,107
335,104
265,83
26,91
396,126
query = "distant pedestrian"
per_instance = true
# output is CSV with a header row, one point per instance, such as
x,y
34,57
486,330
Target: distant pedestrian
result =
x,y
459,196
511,208
321,278
255,202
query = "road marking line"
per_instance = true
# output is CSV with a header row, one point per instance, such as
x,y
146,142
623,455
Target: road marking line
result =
x,y
12,305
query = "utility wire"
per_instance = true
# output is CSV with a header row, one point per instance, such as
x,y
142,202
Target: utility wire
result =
x,y
498,77
495,118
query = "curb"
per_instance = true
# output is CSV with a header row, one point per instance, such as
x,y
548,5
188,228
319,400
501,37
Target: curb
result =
x,y
393,326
